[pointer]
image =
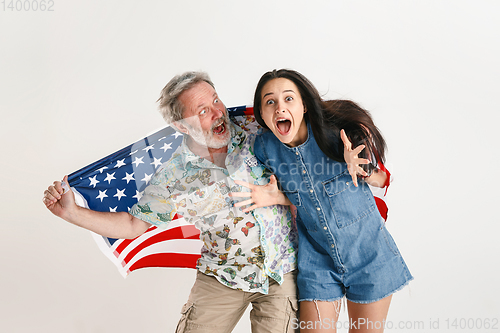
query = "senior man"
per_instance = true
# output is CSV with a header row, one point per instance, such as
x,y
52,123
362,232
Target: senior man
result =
x,y
247,258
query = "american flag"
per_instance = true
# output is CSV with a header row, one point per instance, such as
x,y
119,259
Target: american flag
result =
x,y
116,182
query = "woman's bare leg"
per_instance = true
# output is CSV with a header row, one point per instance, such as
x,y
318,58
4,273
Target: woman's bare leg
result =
x,y
368,317
319,316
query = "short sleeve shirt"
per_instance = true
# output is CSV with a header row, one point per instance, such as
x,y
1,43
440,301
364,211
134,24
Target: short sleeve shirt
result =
x,y
241,250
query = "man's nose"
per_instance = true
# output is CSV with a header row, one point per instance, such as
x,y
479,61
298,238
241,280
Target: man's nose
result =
x,y
217,112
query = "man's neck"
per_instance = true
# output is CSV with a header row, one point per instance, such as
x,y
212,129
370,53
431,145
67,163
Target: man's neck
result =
x,y
215,155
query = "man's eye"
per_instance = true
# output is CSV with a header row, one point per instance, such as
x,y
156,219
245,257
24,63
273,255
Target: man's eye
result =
x,y
216,101
203,111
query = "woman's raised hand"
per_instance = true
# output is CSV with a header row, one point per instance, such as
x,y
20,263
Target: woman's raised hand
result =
x,y
352,159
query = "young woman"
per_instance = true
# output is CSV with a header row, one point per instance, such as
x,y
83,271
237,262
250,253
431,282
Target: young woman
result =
x,y
344,247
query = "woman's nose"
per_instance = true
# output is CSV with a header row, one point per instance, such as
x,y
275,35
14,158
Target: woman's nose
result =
x,y
279,107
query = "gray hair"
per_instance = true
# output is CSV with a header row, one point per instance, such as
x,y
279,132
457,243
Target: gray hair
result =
x,y
170,107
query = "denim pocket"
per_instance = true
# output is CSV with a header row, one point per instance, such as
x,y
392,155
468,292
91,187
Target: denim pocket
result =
x,y
348,202
293,196
306,218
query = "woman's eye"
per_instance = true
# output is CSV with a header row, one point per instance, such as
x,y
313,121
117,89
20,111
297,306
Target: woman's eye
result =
x,y
289,99
269,102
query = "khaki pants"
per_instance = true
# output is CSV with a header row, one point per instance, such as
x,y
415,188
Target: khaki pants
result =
x,y
213,307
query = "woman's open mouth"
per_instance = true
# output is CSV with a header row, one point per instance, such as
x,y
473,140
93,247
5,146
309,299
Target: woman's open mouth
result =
x,y
283,126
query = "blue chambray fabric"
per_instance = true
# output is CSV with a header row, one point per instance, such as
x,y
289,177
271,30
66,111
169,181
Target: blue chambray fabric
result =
x,y
344,247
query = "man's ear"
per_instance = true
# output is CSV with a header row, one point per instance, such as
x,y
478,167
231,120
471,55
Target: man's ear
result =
x,y
181,127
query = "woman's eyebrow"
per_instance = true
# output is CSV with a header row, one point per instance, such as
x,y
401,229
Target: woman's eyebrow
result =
x,y
288,90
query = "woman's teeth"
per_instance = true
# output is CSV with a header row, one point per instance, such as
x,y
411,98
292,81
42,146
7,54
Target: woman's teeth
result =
x,y
283,125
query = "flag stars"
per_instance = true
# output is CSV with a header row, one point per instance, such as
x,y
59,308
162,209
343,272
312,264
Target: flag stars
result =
x,y
93,181
120,194
120,163
166,146
138,161
128,177
113,210
147,178
102,169
138,195
148,148
109,177
177,134
102,195
157,162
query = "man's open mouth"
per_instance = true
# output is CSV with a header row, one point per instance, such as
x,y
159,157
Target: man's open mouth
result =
x,y
283,126
219,129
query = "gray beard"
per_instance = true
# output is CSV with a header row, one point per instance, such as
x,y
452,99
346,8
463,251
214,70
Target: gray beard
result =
x,y
209,139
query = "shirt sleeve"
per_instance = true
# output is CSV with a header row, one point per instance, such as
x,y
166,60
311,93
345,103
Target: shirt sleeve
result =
x,y
157,206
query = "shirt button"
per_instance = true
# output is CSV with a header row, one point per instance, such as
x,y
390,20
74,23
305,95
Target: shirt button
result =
x,y
311,191
296,153
325,228
333,246
347,183
303,171
318,209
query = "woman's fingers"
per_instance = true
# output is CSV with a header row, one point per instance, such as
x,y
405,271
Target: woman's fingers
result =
x,y
363,161
354,179
242,183
358,149
345,140
243,203
240,194
247,210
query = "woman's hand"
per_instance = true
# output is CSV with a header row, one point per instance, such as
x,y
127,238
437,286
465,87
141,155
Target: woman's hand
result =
x,y
260,195
352,159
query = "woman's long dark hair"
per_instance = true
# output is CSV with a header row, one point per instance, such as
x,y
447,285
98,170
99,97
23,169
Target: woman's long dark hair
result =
x,y
327,118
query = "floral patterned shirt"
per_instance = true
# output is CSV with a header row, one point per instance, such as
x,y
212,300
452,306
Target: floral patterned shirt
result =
x,y
241,250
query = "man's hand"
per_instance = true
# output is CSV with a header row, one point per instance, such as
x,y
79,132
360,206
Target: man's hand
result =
x,y
260,195
108,224
352,159
58,203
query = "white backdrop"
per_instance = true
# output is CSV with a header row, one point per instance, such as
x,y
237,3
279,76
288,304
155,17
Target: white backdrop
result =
x,y
81,81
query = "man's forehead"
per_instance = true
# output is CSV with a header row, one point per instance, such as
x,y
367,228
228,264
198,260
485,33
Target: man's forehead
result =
x,y
198,95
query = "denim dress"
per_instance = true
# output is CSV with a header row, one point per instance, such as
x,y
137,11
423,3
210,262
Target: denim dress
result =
x,y
344,247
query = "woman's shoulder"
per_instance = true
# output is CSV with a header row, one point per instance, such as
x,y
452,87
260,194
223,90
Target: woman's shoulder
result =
x,y
267,136
263,143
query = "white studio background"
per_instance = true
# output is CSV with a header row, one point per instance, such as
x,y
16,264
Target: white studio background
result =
x,y
81,81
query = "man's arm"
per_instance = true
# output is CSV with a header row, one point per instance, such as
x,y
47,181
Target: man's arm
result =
x,y
113,225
